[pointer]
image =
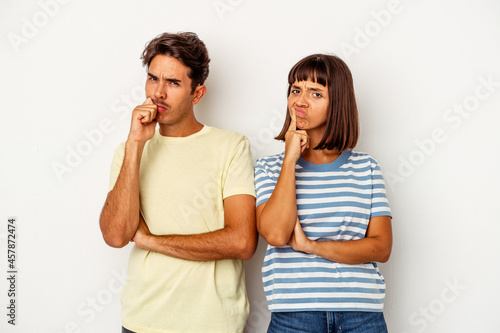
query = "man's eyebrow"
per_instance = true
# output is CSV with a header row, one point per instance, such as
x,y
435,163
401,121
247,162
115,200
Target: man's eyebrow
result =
x,y
167,79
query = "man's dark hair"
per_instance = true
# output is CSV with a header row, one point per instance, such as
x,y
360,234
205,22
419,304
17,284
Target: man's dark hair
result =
x,y
342,127
185,47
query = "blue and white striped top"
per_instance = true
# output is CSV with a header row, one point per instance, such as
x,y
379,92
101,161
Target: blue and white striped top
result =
x,y
334,202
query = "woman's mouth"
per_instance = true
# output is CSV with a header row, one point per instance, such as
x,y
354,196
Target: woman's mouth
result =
x,y
300,112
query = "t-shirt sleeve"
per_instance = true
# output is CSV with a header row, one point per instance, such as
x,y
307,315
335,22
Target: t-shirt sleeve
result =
x,y
264,182
239,177
379,202
116,165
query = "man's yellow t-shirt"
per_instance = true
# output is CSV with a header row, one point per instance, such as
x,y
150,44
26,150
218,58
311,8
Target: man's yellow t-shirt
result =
x,y
183,182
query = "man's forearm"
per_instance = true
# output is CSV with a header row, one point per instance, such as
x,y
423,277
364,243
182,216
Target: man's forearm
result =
x,y
216,245
237,240
120,214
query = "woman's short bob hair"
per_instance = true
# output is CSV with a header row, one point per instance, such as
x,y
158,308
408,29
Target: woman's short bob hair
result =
x,y
342,125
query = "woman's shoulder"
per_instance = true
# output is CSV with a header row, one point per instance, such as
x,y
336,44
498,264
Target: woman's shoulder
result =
x,y
362,160
362,156
271,160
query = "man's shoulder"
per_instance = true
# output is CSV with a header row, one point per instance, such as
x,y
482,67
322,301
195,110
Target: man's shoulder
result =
x,y
225,134
225,140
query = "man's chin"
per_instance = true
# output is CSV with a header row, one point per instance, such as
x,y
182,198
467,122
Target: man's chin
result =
x,y
160,118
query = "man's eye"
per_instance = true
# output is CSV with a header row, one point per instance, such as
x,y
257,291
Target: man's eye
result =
x,y
295,91
317,95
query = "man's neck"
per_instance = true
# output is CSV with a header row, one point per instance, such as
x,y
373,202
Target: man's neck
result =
x,y
180,130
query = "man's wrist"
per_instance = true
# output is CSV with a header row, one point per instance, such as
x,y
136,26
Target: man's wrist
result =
x,y
143,242
133,150
135,145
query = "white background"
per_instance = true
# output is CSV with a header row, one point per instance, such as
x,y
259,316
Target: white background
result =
x,y
427,79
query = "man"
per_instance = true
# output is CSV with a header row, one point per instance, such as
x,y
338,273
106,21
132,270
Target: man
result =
x,y
185,195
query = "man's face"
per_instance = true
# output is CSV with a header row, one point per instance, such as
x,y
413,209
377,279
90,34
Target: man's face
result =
x,y
169,87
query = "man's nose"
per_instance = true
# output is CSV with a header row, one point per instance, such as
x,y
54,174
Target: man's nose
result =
x,y
160,91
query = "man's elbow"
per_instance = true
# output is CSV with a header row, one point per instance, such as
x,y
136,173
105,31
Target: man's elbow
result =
x,y
113,238
114,241
112,235
247,247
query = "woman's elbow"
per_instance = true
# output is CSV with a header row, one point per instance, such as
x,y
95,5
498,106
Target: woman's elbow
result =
x,y
383,254
276,239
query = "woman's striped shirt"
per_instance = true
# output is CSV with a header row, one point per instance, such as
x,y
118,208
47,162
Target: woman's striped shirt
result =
x,y
335,201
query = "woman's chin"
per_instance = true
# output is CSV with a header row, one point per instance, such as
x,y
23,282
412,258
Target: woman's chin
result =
x,y
302,125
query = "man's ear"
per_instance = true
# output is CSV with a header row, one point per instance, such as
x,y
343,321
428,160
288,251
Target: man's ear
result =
x,y
198,93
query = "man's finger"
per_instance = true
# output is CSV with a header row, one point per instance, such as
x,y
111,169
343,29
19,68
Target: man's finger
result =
x,y
147,111
146,116
155,110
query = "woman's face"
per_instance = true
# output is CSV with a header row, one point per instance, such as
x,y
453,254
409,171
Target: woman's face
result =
x,y
309,101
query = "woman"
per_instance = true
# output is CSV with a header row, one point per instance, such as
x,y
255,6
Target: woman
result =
x,y
322,208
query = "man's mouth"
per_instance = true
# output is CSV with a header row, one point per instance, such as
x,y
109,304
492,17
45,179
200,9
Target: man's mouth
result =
x,y
162,107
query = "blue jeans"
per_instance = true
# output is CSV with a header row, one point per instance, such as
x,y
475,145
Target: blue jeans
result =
x,y
327,322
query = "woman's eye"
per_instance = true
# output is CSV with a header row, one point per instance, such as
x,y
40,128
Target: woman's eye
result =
x,y
295,91
317,95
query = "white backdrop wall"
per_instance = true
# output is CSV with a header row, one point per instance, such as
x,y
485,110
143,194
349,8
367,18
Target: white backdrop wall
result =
x,y
427,80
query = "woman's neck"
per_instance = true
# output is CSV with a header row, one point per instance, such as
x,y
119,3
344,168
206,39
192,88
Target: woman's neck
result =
x,y
321,156
318,156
